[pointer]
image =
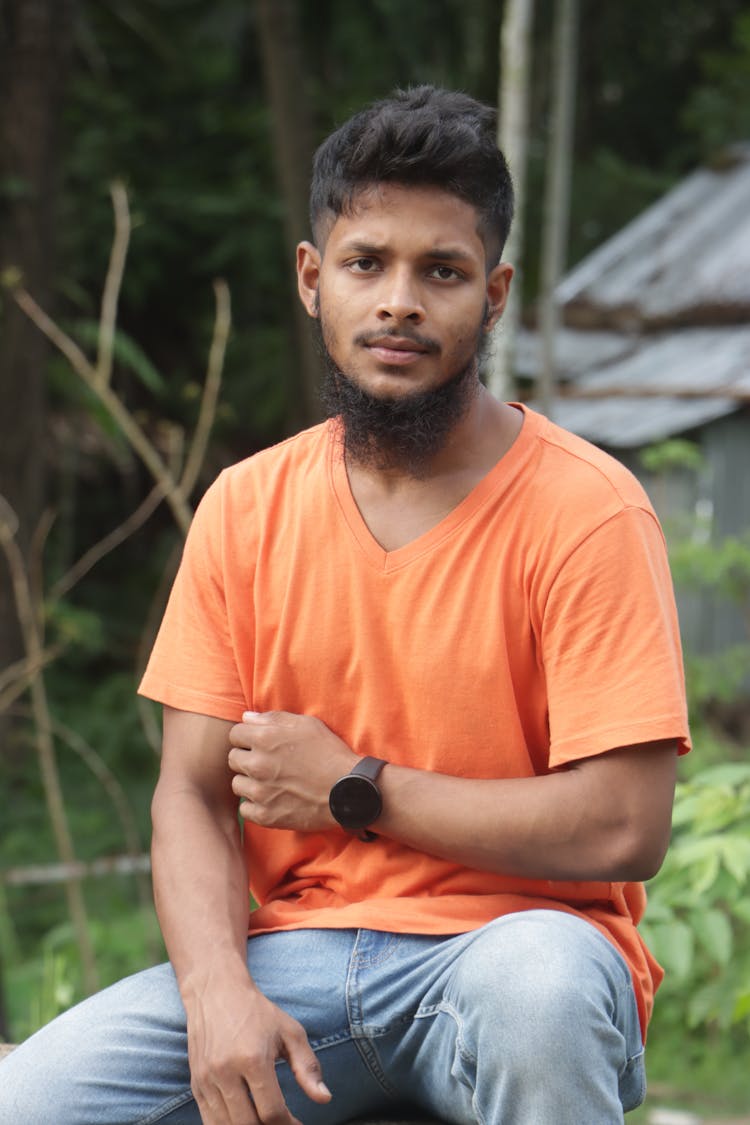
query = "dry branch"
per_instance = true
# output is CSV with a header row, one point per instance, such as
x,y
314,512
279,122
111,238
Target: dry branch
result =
x,y
173,482
122,532
113,283
16,678
211,386
44,741
125,421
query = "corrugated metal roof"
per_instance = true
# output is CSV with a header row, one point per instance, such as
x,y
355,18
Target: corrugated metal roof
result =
x,y
681,376
632,422
687,254
575,352
690,250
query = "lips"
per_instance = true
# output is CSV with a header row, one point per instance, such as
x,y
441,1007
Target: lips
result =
x,y
397,351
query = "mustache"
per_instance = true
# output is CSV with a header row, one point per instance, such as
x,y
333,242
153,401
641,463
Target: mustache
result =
x,y
364,339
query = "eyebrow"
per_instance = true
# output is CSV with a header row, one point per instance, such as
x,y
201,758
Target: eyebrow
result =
x,y
443,253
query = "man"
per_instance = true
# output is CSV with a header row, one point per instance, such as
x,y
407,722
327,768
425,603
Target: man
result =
x,y
429,650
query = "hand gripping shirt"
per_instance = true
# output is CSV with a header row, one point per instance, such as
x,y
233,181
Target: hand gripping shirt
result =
x,y
531,627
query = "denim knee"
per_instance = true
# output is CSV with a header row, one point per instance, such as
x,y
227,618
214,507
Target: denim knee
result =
x,y
551,976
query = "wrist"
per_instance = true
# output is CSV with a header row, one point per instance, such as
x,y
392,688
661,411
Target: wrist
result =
x,y
355,800
222,974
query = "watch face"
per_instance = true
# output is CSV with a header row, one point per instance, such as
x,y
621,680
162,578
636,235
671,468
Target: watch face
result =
x,y
355,802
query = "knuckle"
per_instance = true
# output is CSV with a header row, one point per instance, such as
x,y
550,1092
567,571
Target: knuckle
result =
x,y
262,815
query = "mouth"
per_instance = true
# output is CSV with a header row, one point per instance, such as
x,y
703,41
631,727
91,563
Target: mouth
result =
x,y
397,351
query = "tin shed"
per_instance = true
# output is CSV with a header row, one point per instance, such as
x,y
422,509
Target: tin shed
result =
x,y
655,344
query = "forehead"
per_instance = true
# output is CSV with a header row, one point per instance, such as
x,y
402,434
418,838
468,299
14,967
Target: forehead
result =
x,y
395,216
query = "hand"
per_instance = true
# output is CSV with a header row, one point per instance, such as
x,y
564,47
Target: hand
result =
x,y
284,768
234,1039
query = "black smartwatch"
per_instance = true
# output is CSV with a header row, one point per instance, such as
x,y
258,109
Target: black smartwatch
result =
x,y
355,800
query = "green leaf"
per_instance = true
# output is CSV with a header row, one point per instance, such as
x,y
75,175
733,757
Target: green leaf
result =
x,y
735,853
713,931
672,944
126,352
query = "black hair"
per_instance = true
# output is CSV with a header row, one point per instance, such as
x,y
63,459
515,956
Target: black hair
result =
x,y
422,137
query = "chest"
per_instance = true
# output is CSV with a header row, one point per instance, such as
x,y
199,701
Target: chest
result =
x,y
396,519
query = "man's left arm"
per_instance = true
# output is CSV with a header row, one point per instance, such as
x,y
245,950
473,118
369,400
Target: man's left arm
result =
x,y
605,817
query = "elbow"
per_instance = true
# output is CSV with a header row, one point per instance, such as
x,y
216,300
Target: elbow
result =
x,y
639,854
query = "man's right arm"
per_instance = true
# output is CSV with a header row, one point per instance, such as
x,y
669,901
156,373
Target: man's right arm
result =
x,y
235,1034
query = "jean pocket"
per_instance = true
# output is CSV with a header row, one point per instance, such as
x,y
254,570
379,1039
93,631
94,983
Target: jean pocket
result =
x,y
633,1082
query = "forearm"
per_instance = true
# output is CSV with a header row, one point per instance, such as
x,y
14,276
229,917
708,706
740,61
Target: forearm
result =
x,y
604,818
200,887
589,823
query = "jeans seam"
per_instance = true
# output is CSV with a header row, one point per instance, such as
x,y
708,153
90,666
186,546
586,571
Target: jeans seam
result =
x,y
167,1107
360,1037
466,1056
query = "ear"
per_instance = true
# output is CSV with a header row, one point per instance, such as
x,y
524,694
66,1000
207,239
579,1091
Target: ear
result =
x,y
308,275
498,287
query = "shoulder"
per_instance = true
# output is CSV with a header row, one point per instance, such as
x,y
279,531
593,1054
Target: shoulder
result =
x,y
298,461
581,472
577,502
586,466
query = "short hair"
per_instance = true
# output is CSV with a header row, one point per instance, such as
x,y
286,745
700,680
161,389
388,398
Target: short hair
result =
x,y
421,137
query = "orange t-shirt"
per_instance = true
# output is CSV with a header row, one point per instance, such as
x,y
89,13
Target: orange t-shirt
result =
x,y
533,626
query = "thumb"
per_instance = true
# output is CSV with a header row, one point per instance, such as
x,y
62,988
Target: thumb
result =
x,y
306,1068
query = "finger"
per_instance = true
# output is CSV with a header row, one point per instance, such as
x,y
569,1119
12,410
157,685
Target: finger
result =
x,y
218,1107
270,1106
238,1107
243,786
305,1066
270,718
240,735
240,759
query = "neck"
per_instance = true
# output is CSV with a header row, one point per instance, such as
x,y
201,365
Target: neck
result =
x,y
473,445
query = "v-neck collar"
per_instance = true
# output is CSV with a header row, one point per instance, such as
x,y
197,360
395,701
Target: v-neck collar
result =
x,y
492,484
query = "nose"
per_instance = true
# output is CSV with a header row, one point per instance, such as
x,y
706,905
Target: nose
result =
x,y
400,298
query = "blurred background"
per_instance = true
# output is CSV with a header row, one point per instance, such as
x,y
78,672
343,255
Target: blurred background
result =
x,y
154,161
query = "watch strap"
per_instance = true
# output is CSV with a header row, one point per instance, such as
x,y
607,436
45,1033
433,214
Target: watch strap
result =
x,y
368,767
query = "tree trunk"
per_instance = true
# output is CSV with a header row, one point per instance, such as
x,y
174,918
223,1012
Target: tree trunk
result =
x,y
35,41
512,137
284,68
557,191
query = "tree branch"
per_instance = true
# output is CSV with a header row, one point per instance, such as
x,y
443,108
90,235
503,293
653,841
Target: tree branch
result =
x,y
27,618
211,386
94,554
140,443
113,283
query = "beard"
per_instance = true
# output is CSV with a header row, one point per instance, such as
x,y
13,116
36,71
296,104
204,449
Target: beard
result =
x,y
404,431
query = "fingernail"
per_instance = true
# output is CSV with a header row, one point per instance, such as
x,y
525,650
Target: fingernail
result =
x,y
250,715
324,1090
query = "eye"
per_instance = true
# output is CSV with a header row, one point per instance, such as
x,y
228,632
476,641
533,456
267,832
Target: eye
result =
x,y
444,273
363,265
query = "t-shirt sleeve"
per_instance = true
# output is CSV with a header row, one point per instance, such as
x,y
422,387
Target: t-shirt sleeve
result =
x,y
193,665
610,643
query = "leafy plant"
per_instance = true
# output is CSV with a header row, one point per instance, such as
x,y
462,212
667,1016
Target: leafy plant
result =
x,y
698,919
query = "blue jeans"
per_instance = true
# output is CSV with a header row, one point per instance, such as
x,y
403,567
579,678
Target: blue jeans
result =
x,y
530,1020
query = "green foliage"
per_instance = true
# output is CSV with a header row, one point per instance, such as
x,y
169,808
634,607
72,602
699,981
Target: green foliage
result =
x,y
723,567
49,981
698,918
718,111
675,453
718,677
699,908
125,350
76,625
